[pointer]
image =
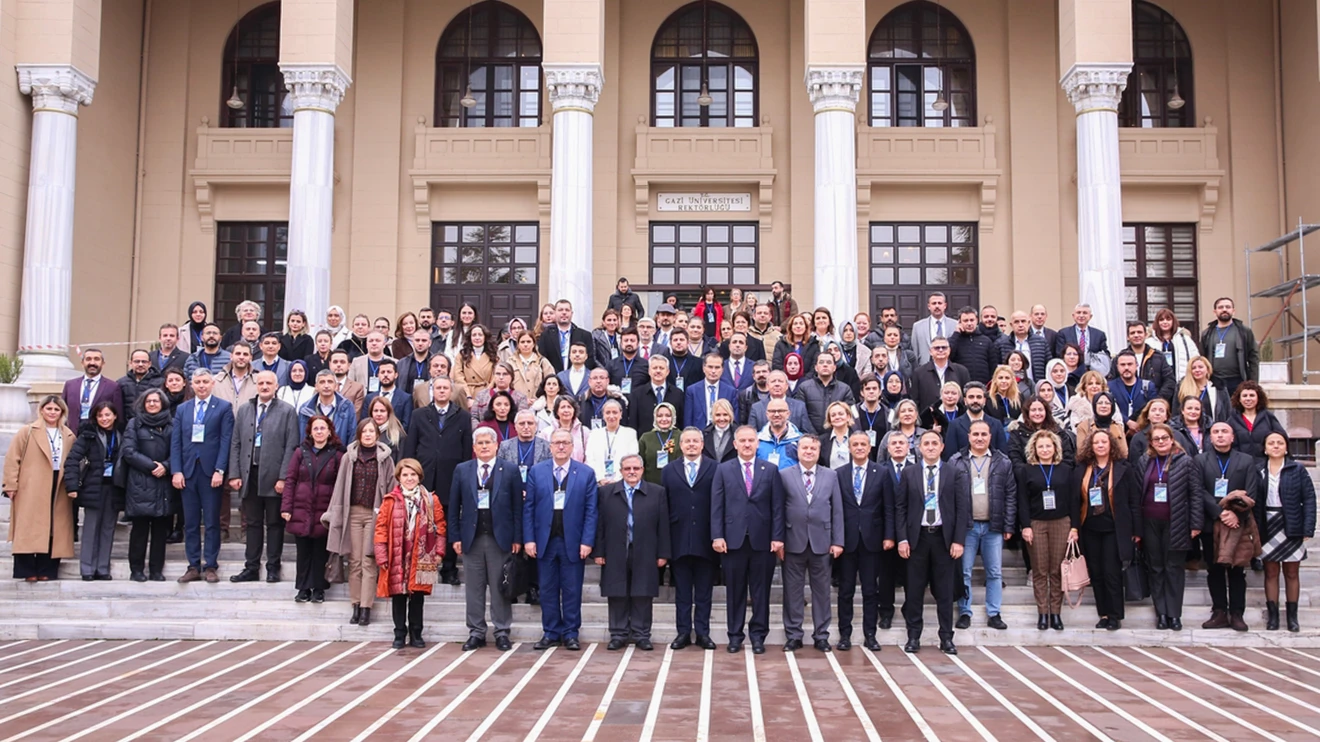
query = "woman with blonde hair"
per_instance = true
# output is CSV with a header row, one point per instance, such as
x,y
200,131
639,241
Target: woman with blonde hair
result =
x,y
834,441
404,327
1044,509
1079,406
41,514
544,319
410,544
1216,404
366,475
1003,397
389,428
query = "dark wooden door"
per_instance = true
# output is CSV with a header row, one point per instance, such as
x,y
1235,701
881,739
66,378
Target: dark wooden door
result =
x,y
910,260
492,265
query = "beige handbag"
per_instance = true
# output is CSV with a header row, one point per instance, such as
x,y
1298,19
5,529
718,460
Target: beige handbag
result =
x,y
1075,578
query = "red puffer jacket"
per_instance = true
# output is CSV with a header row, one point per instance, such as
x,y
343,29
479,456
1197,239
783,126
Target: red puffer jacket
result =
x,y
408,565
309,485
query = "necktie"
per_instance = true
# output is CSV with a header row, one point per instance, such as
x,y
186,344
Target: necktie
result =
x,y
747,477
737,372
628,491
440,416
929,519
692,473
806,481
201,412
559,477
646,352
1081,344
939,328
857,483
261,417
485,475
710,398
87,392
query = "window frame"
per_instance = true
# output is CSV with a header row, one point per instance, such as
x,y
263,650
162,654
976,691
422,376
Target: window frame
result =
x,y
1163,69
705,63
480,291
677,264
262,68
914,15
484,70
1139,279
273,279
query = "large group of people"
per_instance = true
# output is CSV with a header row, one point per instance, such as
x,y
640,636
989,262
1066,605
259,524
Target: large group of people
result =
x,y
691,448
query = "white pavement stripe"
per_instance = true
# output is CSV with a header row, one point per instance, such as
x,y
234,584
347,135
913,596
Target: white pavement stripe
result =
x,y
1241,697
367,694
134,689
1051,700
952,699
853,700
608,698
804,699
1294,665
95,671
560,695
71,663
11,645
754,694
1239,676
269,694
405,703
1193,698
331,685
38,648
460,698
917,719
212,698
1143,726
1142,696
703,713
653,711
183,689
1267,671
495,713
1012,708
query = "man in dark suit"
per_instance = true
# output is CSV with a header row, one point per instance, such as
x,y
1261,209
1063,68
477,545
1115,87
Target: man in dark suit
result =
x,y
170,355
645,398
1151,364
1039,316
1223,470
485,526
629,370
700,397
559,523
813,519
265,436
891,571
440,438
933,514
632,541
747,527
387,375
82,393
199,456
738,369
928,378
862,486
1088,340
687,482
416,367
555,341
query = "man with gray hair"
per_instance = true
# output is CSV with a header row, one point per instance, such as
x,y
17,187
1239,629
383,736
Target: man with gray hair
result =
x,y
440,438
632,540
330,403
524,451
265,436
199,457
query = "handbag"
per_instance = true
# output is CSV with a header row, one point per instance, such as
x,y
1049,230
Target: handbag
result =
x,y
335,572
509,577
1074,576
1135,586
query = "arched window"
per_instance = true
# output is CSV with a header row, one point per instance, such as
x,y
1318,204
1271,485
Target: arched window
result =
x,y
922,69
704,47
498,73
1159,90
252,65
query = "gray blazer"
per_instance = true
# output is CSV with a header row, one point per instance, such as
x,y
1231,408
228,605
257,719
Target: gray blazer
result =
x,y
817,526
508,451
921,336
279,439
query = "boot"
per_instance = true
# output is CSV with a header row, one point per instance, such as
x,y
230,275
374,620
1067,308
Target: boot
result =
x,y
417,639
1218,620
534,596
365,618
1236,622
1291,607
400,638
357,614
1271,615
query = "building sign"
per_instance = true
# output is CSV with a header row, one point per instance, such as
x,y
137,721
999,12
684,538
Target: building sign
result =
x,y
705,202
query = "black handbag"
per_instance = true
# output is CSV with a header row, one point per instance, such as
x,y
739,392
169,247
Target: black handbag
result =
x,y
1135,586
509,577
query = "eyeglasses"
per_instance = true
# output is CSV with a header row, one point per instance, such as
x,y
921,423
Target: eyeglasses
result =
x,y
1161,439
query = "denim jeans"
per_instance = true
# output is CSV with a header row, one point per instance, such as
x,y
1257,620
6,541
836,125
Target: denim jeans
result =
x,y
990,545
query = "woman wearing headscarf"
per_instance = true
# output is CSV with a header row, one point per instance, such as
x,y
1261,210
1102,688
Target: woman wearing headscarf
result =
x,y
1045,393
794,370
659,446
336,321
300,387
190,333
893,389
1103,417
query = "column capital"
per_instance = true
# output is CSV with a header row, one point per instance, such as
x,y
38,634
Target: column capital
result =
x,y
835,88
573,86
318,87
1096,86
55,87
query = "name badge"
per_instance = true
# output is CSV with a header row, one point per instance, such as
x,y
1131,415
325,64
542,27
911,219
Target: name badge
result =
x,y
662,459
1221,488
483,499
199,433
109,469
626,385
597,423
86,411
614,352
773,459
1161,492
978,486
373,385
679,383
1096,499
609,467
1221,350
256,442
522,469
929,503
870,435
1048,496
1168,357
559,499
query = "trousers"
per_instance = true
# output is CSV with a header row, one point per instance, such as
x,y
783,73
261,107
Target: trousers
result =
x,y
98,535
929,563
407,609
201,513
258,512
362,570
155,529
864,563
561,590
1049,542
1100,548
483,563
694,580
1165,567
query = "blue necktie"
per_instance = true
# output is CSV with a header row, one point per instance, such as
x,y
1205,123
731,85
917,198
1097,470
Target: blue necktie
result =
x,y
857,483
692,473
629,492
201,412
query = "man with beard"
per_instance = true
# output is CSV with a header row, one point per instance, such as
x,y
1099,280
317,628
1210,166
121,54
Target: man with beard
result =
x,y
141,376
351,390
417,366
781,304
443,338
1231,347
170,354
629,369
973,350
210,356
957,437
83,393
759,391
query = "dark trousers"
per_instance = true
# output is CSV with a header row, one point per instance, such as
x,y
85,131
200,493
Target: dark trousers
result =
x,y
930,564
891,573
201,511
155,529
1106,571
407,610
259,512
748,570
561,590
36,565
1228,585
694,579
1166,568
449,564
865,563
312,556
630,615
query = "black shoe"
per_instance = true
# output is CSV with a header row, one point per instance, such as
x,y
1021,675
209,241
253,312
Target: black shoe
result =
x,y
318,596
534,596
272,575
913,646
102,578
416,641
157,577
545,643
1175,624
452,579
645,645
871,644
886,622
1042,621
946,646
615,645
759,647
1257,565
845,644
357,614
572,644
734,647
1293,625
705,642
681,642
399,642
1161,623
473,643
964,622
997,622
1271,615
138,577
1056,622
88,578
1115,624
303,596
247,575
503,644
365,618
792,645
1102,623
176,537
822,645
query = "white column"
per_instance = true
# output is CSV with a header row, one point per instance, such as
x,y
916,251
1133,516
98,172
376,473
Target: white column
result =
x,y
315,91
1095,89
47,299
574,90
834,92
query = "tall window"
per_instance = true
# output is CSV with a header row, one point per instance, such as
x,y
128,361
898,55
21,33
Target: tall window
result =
x,y
704,47
251,260
922,69
252,64
910,260
1159,270
501,67
1159,90
704,254
493,266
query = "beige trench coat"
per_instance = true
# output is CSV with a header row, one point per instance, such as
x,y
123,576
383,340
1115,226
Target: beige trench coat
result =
x,y
28,475
336,516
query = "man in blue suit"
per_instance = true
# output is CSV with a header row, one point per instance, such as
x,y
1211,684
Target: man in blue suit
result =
x,y
747,527
199,455
738,368
387,375
485,526
1088,340
688,481
559,519
698,399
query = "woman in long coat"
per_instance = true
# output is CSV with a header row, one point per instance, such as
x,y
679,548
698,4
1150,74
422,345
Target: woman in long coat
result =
x,y
41,514
409,550
308,486
366,474
149,494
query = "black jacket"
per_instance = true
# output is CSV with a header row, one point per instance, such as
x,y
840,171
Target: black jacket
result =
x,y
864,522
1001,487
296,348
1237,468
810,350
1186,500
640,412
689,508
1248,360
925,383
1252,442
1125,499
617,301
708,446
1297,494
955,505
1032,481
975,352
1152,367
130,388
1140,441
84,468
548,345
439,451
145,445
1017,447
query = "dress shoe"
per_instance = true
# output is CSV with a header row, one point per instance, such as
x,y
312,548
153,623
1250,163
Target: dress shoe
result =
x,y
792,645
759,647
822,645
211,576
997,622
1236,623
845,644
365,618
1161,623
946,646
545,643
705,642
1042,621
572,644
29,579
1115,624
1056,622
357,614
156,577
645,645
247,575
734,647
473,643
964,622
871,644
138,577
192,575
886,622
102,578
502,643
452,579
680,643
175,537
318,596
88,578
1175,623
534,596
416,641
1102,623
912,647
303,596
1218,620
399,641
616,644
272,575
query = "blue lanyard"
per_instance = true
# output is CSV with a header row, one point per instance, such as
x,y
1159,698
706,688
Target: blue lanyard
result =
x,y
1223,466
110,446
870,418
1223,332
1049,476
680,366
665,443
627,367
523,453
1159,470
596,407
504,434
1096,475
979,467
